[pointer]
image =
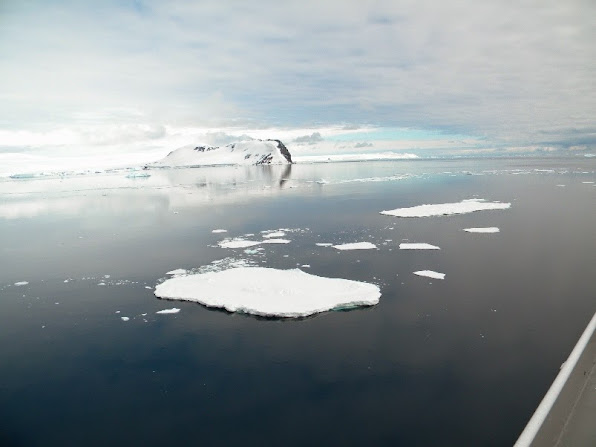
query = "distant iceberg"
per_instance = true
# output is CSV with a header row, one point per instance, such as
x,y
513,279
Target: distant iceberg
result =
x,y
447,209
430,274
251,152
417,246
269,292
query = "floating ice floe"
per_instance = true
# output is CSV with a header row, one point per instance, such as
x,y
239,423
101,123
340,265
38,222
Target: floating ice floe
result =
x,y
430,274
276,241
417,246
177,272
324,244
219,230
446,209
21,283
274,234
356,246
269,292
173,310
587,183
124,318
238,243
482,230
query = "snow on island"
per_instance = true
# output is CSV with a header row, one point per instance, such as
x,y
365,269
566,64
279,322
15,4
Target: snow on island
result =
x,y
417,246
447,209
356,246
251,152
430,274
482,230
269,292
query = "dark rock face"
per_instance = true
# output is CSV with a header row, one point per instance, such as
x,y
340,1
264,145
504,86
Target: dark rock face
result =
x,y
284,150
203,148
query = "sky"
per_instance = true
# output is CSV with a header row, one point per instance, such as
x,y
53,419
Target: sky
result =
x,y
135,76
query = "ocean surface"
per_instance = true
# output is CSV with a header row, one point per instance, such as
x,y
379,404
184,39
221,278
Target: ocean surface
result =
x,y
459,361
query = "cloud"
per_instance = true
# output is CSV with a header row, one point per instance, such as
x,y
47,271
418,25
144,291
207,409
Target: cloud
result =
x,y
313,138
517,74
363,144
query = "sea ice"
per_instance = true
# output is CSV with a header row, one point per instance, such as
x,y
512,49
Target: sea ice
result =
x,y
445,209
173,310
177,272
21,283
324,244
237,243
482,230
417,246
124,318
276,241
430,274
219,230
269,292
275,234
356,246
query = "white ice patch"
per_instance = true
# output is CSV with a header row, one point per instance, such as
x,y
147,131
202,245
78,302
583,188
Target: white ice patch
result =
x,y
482,230
276,241
124,318
324,244
173,310
219,230
21,283
446,209
276,234
177,272
356,246
237,243
430,274
417,246
269,292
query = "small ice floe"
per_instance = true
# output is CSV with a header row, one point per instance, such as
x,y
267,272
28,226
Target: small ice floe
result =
x,y
305,266
587,183
269,292
482,230
176,272
356,246
237,243
430,274
173,310
117,312
124,318
219,230
21,283
417,246
252,251
101,283
276,241
447,209
273,234
561,186
324,244
106,276
147,287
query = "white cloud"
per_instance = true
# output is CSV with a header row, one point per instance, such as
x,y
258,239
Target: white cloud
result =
x,y
519,74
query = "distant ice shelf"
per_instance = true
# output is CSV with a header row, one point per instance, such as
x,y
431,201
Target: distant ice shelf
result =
x,y
269,292
447,209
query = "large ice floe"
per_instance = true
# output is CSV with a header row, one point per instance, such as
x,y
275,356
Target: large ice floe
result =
x,y
269,292
447,209
251,152
482,230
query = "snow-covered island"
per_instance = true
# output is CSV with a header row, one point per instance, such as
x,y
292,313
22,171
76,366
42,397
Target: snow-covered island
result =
x,y
251,152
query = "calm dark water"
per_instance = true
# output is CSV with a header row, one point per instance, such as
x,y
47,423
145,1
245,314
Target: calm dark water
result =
x,y
463,361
